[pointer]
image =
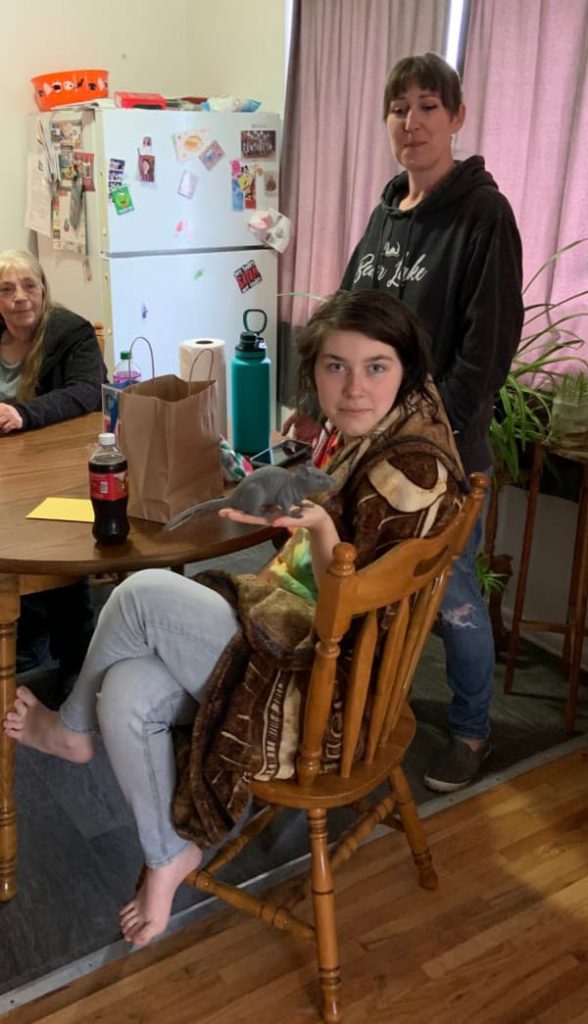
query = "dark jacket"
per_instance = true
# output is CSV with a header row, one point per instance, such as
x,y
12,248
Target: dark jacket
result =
x,y
455,260
70,375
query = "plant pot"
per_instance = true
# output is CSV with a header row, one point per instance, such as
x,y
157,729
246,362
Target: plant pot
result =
x,y
569,425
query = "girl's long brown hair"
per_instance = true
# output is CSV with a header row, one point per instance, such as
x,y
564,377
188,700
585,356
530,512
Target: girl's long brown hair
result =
x,y
25,262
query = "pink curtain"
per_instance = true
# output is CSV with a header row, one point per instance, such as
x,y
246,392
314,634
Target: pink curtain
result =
x,y
526,93
336,157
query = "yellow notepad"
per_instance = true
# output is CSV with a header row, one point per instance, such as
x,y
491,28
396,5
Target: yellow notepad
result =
x,y
73,510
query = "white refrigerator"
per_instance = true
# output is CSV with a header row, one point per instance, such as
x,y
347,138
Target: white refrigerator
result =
x,y
167,200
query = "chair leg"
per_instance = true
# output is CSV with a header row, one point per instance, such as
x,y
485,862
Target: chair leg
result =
x,y
413,830
323,901
577,617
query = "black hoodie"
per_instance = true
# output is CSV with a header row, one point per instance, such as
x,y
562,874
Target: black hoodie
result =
x,y
70,375
455,260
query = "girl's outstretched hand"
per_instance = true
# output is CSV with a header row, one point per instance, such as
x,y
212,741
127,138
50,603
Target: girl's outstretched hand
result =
x,y
312,517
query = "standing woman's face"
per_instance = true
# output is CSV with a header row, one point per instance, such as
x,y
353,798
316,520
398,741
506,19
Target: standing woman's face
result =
x,y
357,381
21,302
420,130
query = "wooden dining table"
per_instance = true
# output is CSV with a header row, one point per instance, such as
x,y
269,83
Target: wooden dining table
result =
x,y
38,554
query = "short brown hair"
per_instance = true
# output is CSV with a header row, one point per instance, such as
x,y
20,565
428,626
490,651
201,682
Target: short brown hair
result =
x,y
429,71
379,316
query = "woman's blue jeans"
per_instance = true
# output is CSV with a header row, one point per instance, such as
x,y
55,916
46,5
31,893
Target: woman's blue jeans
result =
x,y
464,625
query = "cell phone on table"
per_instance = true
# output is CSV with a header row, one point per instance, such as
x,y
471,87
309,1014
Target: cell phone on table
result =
x,y
282,454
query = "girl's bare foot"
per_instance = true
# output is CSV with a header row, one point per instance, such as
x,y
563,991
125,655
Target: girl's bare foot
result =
x,y
34,725
148,913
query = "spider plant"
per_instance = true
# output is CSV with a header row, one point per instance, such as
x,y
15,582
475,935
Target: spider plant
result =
x,y
523,413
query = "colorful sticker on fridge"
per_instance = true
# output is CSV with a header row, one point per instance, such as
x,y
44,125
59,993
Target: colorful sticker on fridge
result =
x,y
186,228
85,166
146,167
211,155
187,185
247,276
258,145
243,187
66,133
122,200
116,170
189,144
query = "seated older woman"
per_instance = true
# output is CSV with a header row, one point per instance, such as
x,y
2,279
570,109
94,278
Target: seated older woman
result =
x,y
51,369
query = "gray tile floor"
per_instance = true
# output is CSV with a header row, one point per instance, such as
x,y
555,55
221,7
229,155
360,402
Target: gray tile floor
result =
x,y
79,856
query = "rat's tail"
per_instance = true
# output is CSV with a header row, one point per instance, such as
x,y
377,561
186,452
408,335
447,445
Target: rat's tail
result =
x,y
193,510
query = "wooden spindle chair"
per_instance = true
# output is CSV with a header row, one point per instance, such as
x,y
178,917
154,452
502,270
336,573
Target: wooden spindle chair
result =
x,y
406,585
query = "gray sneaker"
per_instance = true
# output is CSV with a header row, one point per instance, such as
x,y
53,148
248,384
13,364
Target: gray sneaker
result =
x,y
456,765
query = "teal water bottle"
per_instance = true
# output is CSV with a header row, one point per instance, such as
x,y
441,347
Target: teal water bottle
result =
x,y
251,389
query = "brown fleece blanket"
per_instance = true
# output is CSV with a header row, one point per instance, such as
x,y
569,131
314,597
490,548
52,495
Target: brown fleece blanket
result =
x,y
404,481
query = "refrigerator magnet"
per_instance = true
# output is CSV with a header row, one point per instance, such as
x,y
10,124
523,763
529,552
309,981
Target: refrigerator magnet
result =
x,y
116,170
247,276
243,183
189,144
67,167
270,183
122,200
211,155
85,166
258,145
187,185
66,133
146,167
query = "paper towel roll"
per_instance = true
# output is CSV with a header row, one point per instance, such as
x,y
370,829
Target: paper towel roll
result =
x,y
197,348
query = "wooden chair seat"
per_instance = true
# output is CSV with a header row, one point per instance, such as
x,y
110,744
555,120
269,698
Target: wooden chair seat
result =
x,y
395,601
329,789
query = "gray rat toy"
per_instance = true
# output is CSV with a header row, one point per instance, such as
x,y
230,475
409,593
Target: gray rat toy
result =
x,y
264,490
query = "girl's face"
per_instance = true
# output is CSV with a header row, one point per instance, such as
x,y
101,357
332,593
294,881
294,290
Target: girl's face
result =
x,y
357,381
420,130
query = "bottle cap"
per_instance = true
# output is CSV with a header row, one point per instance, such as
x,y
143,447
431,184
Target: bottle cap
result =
x,y
125,355
106,439
250,342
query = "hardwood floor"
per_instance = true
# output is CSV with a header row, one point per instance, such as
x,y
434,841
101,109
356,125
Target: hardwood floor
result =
x,y
504,939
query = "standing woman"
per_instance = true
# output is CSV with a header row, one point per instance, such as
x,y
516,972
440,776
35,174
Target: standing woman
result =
x,y
443,239
51,369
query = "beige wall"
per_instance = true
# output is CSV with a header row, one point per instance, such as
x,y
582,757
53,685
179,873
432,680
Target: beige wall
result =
x,y
175,47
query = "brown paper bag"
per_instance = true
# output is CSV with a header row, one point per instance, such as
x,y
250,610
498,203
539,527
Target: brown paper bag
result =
x,y
169,433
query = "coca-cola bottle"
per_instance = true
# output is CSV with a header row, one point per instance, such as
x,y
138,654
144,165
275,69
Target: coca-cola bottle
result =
x,y
109,491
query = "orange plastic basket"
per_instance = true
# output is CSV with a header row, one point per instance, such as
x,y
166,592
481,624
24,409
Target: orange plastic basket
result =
x,y
58,88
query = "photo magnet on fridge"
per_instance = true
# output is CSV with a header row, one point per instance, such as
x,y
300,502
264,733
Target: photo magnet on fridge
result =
x,y
146,167
258,145
116,170
66,133
270,182
67,167
187,185
85,166
211,155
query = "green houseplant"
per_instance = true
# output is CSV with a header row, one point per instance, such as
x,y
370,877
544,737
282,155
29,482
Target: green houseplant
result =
x,y
523,416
